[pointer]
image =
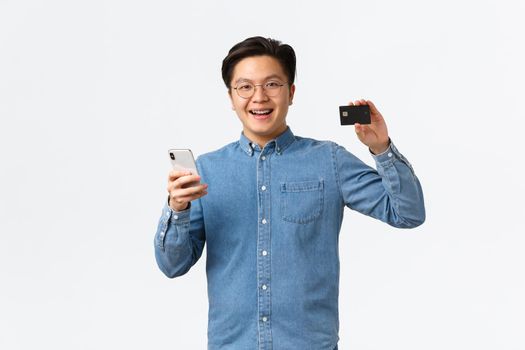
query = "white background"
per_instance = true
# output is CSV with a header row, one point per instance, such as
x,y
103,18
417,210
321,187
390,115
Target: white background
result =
x,y
93,93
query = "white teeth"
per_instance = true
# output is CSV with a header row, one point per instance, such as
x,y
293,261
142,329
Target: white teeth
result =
x,y
263,111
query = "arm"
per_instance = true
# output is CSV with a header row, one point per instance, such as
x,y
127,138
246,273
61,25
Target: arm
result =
x,y
179,239
180,235
392,193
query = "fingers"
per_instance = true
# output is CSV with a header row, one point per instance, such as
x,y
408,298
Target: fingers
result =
x,y
374,112
181,196
186,180
184,187
373,107
191,198
175,174
360,130
178,179
362,102
358,102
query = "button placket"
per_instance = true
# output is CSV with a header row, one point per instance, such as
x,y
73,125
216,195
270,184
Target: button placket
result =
x,y
263,243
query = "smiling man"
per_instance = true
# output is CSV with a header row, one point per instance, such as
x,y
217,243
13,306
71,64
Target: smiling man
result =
x,y
261,97
270,208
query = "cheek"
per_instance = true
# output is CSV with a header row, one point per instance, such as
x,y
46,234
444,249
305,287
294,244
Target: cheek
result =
x,y
240,108
239,105
283,105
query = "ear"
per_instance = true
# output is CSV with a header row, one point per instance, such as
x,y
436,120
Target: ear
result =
x,y
292,92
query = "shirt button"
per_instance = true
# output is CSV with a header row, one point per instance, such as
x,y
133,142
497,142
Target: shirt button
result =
x,y
175,217
264,287
168,214
264,221
390,154
263,188
263,158
264,253
264,319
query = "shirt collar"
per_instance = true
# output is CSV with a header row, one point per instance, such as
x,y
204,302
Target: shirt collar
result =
x,y
281,142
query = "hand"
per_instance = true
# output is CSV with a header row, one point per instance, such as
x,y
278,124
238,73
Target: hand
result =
x,y
180,195
374,135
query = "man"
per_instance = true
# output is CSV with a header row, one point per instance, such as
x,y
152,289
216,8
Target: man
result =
x,y
270,210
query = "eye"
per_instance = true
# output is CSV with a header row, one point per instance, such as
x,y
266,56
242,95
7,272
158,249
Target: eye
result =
x,y
244,87
272,84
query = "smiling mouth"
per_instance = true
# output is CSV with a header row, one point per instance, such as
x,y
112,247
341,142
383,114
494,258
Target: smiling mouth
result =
x,y
261,114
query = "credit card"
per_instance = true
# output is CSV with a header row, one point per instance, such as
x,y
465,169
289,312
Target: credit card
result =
x,y
354,114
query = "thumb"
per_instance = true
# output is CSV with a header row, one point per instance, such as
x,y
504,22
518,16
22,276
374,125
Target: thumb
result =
x,y
358,128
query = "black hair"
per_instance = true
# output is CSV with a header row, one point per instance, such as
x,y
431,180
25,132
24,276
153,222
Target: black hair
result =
x,y
259,46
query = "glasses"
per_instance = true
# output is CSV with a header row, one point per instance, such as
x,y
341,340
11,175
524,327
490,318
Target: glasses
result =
x,y
271,88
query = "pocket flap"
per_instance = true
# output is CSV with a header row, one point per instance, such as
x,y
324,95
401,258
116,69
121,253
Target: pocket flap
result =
x,y
301,186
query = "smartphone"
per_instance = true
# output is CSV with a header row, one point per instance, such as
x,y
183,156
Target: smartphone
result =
x,y
354,114
182,160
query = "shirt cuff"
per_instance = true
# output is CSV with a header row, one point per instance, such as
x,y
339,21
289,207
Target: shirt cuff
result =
x,y
389,156
385,155
176,217
389,143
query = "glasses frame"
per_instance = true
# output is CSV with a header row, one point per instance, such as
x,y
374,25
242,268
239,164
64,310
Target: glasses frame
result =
x,y
264,89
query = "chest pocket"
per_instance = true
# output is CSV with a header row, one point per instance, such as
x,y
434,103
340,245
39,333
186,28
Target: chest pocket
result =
x,y
301,202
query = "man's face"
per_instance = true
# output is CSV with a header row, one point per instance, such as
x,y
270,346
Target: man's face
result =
x,y
263,117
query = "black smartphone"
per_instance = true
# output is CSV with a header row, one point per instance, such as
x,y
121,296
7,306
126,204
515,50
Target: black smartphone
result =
x,y
354,114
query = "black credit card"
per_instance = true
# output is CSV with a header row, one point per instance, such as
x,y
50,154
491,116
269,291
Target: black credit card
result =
x,y
354,114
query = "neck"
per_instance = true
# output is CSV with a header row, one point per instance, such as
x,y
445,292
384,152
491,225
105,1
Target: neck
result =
x,y
262,140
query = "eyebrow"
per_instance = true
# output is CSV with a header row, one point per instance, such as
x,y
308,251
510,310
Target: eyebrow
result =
x,y
273,76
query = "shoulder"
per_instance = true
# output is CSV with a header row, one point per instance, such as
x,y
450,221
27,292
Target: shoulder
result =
x,y
327,149
307,143
221,153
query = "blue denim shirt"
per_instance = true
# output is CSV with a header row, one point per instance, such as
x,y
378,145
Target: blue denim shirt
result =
x,y
271,221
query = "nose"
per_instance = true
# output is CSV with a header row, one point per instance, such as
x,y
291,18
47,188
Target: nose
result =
x,y
259,95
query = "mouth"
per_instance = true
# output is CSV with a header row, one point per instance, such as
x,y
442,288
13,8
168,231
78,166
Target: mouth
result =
x,y
261,113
